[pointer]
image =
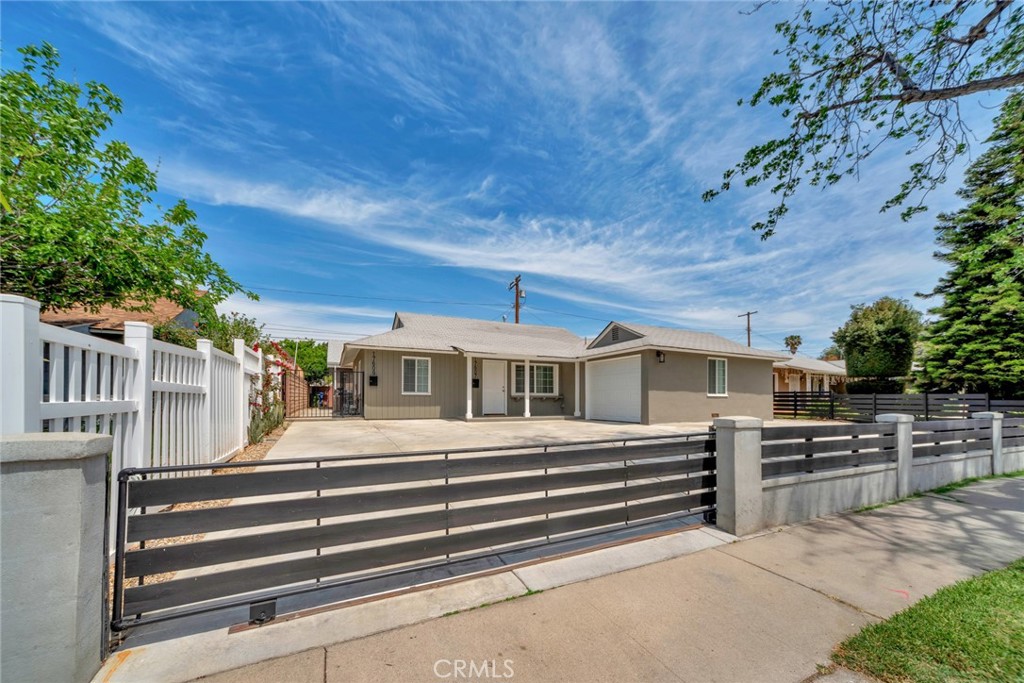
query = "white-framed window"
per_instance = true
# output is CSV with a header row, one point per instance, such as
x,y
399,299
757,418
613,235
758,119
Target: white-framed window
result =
x,y
718,376
543,379
415,376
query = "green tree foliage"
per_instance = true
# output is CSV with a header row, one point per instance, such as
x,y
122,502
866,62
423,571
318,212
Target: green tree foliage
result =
x,y
830,352
221,329
793,342
76,226
878,340
977,342
311,357
867,72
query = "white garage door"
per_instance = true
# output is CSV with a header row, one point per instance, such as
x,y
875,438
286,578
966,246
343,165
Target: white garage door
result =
x,y
613,389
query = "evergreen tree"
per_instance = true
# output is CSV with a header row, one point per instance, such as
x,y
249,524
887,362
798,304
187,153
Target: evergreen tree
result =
x,y
977,343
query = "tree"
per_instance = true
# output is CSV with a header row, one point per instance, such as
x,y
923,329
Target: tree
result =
x,y
864,73
793,343
311,357
74,221
221,329
832,352
977,342
878,342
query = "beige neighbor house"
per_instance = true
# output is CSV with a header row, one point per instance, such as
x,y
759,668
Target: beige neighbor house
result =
x,y
441,367
803,373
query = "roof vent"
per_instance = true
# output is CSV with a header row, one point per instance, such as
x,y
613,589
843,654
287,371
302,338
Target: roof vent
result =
x,y
615,334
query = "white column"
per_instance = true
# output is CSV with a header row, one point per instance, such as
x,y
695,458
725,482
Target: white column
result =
x,y
576,403
469,387
740,496
529,388
52,504
904,451
998,465
21,365
139,452
206,454
242,399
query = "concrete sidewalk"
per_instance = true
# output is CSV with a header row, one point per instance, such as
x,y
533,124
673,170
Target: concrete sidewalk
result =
x,y
766,608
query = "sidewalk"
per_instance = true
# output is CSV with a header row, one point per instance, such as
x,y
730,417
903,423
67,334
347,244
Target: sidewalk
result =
x,y
767,608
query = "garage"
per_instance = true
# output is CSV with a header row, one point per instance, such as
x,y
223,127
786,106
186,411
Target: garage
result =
x,y
613,389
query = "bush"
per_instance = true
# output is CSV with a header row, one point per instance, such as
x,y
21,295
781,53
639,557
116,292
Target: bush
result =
x,y
875,386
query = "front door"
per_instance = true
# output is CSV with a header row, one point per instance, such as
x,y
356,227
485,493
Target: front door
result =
x,y
493,388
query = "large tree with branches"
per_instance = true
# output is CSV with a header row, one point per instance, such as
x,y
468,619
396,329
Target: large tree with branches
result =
x,y
861,73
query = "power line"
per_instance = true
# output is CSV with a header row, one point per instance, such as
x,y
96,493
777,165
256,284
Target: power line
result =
x,y
260,288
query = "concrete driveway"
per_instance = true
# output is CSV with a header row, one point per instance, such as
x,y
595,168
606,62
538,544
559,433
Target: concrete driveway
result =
x,y
357,436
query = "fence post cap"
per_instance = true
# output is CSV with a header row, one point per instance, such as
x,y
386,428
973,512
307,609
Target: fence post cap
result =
x,y
39,446
894,417
738,422
18,299
987,415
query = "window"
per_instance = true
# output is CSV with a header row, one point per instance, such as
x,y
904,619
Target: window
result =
x,y
416,376
717,385
543,380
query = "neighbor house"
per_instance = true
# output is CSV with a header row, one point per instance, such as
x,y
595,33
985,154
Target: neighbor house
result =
x,y
803,373
108,321
442,367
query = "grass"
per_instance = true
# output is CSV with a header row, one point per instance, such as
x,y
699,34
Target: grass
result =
x,y
970,631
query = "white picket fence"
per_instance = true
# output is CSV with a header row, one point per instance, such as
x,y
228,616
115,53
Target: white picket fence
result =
x,y
163,404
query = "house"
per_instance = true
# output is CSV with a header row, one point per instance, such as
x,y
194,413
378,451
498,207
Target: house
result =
x,y
108,321
803,373
443,367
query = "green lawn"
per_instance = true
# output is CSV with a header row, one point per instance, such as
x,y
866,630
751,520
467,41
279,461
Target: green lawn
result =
x,y
970,631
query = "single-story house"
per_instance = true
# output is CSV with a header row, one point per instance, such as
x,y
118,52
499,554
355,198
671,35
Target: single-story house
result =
x,y
803,373
443,367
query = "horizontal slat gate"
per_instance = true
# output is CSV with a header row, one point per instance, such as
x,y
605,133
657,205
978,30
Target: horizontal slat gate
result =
x,y
369,513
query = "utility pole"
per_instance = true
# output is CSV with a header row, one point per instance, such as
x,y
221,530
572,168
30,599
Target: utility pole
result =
x,y
748,314
514,285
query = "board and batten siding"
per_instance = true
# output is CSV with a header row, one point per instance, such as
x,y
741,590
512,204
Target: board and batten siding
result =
x,y
386,401
677,390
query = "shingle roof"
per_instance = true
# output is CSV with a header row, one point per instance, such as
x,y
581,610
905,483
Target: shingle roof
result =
x,y
671,338
419,332
812,365
113,318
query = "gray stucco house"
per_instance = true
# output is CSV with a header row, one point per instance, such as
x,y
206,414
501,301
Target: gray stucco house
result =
x,y
442,367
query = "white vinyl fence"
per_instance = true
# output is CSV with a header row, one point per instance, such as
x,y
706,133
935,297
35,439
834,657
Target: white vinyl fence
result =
x,y
163,404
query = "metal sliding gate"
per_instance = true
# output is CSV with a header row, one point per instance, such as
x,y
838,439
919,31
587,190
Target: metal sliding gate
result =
x,y
354,517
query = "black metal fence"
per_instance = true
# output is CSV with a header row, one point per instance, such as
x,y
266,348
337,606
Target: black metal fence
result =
x,y
864,407
350,517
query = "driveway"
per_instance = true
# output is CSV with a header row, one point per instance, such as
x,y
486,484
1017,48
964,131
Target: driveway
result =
x,y
357,436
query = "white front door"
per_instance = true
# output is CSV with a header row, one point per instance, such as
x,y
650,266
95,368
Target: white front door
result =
x,y
493,388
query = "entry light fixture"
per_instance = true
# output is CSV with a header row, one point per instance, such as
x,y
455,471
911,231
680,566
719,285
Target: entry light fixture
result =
x,y
660,355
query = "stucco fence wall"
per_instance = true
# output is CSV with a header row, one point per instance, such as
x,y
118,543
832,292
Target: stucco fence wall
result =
x,y
749,502
788,500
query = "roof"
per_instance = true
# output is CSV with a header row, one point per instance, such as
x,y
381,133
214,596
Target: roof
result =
x,y
813,365
113,318
443,334
671,338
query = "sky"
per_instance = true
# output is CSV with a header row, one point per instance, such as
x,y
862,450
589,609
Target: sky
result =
x,y
350,160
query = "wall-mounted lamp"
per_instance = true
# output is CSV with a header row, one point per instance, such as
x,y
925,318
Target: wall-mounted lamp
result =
x,y
660,355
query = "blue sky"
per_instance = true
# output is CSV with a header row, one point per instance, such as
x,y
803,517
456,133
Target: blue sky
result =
x,y
350,160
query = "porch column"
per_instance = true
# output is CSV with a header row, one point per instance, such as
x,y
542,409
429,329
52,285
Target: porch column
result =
x,y
526,381
576,403
469,387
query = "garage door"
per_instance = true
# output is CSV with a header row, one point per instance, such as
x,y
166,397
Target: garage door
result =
x,y
613,389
